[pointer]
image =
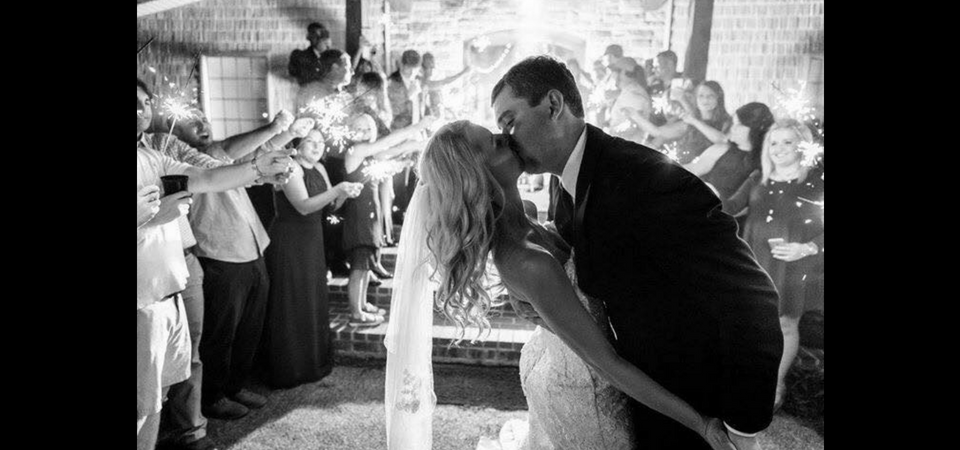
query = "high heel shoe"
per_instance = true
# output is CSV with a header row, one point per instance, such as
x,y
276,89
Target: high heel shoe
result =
x,y
380,272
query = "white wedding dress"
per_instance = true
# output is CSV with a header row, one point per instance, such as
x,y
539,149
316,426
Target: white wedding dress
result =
x,y
570,406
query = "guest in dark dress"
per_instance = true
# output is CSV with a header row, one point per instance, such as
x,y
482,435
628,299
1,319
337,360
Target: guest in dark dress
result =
x,y
696,129
725,166
784,226
296,344
362,224
373,100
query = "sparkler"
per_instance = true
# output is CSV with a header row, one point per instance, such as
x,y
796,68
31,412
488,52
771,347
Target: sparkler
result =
x,y
672,150
144,45
383,169
794,102
330,113
661,104
812,153
177,109
820,203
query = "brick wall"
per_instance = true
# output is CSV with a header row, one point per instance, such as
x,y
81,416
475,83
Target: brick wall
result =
x,y
441,26
753,42
756,42
265,27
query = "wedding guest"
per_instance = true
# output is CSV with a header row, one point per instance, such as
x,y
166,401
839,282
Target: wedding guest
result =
x,y
374,101
337,74
725,166
433,95
163,349
231,241
611,55
296,346
305,64
363,233
363,60
184,422
784,226
631,82
699,126
404,89
665,71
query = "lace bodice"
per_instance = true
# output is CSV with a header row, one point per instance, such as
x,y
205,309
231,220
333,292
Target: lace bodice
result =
x,y
570,405
594,306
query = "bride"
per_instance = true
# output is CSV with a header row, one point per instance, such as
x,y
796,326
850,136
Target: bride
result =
x,y
468,206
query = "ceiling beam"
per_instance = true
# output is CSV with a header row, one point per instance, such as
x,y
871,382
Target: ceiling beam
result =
x,y
155,6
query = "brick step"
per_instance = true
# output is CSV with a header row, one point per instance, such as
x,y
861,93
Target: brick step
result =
x,y
500,346
501,316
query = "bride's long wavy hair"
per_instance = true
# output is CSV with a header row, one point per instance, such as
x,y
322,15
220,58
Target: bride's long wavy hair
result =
x,y
465,205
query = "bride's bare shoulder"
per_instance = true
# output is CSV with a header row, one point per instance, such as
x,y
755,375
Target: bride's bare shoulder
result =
x,y
525,263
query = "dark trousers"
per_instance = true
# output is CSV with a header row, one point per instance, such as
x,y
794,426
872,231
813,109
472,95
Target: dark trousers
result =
x,y
235,301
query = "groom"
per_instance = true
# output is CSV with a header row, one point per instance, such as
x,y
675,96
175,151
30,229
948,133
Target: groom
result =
x,y
688,302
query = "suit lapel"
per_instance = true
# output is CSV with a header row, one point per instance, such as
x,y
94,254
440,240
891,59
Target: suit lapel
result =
x,y
591,155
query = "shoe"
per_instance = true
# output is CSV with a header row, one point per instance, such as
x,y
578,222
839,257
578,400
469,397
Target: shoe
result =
x,y
249,399
374,280
203,443
373,309
365,320
225,409
381,273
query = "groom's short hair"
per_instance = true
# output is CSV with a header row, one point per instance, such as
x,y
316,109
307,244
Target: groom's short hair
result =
x,y
533,77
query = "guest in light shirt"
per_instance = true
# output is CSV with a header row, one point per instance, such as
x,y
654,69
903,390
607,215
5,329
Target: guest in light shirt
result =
x,y
163,349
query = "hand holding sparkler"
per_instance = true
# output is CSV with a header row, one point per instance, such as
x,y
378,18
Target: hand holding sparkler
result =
x,y
268,164
349,190
282,121
302,127
794,251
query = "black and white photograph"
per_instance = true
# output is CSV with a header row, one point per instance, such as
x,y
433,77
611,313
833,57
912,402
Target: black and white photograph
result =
x,y
480,224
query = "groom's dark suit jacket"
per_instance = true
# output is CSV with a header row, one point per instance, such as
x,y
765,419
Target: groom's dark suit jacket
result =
x,y
689,304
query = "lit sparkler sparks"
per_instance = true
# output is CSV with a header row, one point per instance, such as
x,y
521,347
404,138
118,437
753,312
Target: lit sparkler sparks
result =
x,y
661,104
812,202
330,114
177,109
481,43
794,103
812,153
381,170
672,150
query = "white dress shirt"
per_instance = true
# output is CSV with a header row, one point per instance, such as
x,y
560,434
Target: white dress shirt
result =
x,y
571,170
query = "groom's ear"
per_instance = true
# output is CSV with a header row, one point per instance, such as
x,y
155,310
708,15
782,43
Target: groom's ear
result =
x,y
555,99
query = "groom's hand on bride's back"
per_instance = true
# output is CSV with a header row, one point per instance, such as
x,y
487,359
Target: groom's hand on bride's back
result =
x,y
526,311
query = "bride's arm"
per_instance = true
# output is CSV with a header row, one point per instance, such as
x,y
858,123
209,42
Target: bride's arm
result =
x,y
538,277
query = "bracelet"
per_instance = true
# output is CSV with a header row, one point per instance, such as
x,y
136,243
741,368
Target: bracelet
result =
x,y
253,162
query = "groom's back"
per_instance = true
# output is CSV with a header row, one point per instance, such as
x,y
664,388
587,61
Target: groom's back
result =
x,y
686,297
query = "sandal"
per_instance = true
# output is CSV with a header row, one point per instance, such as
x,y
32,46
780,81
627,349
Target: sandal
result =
x,y
365,320
372,309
